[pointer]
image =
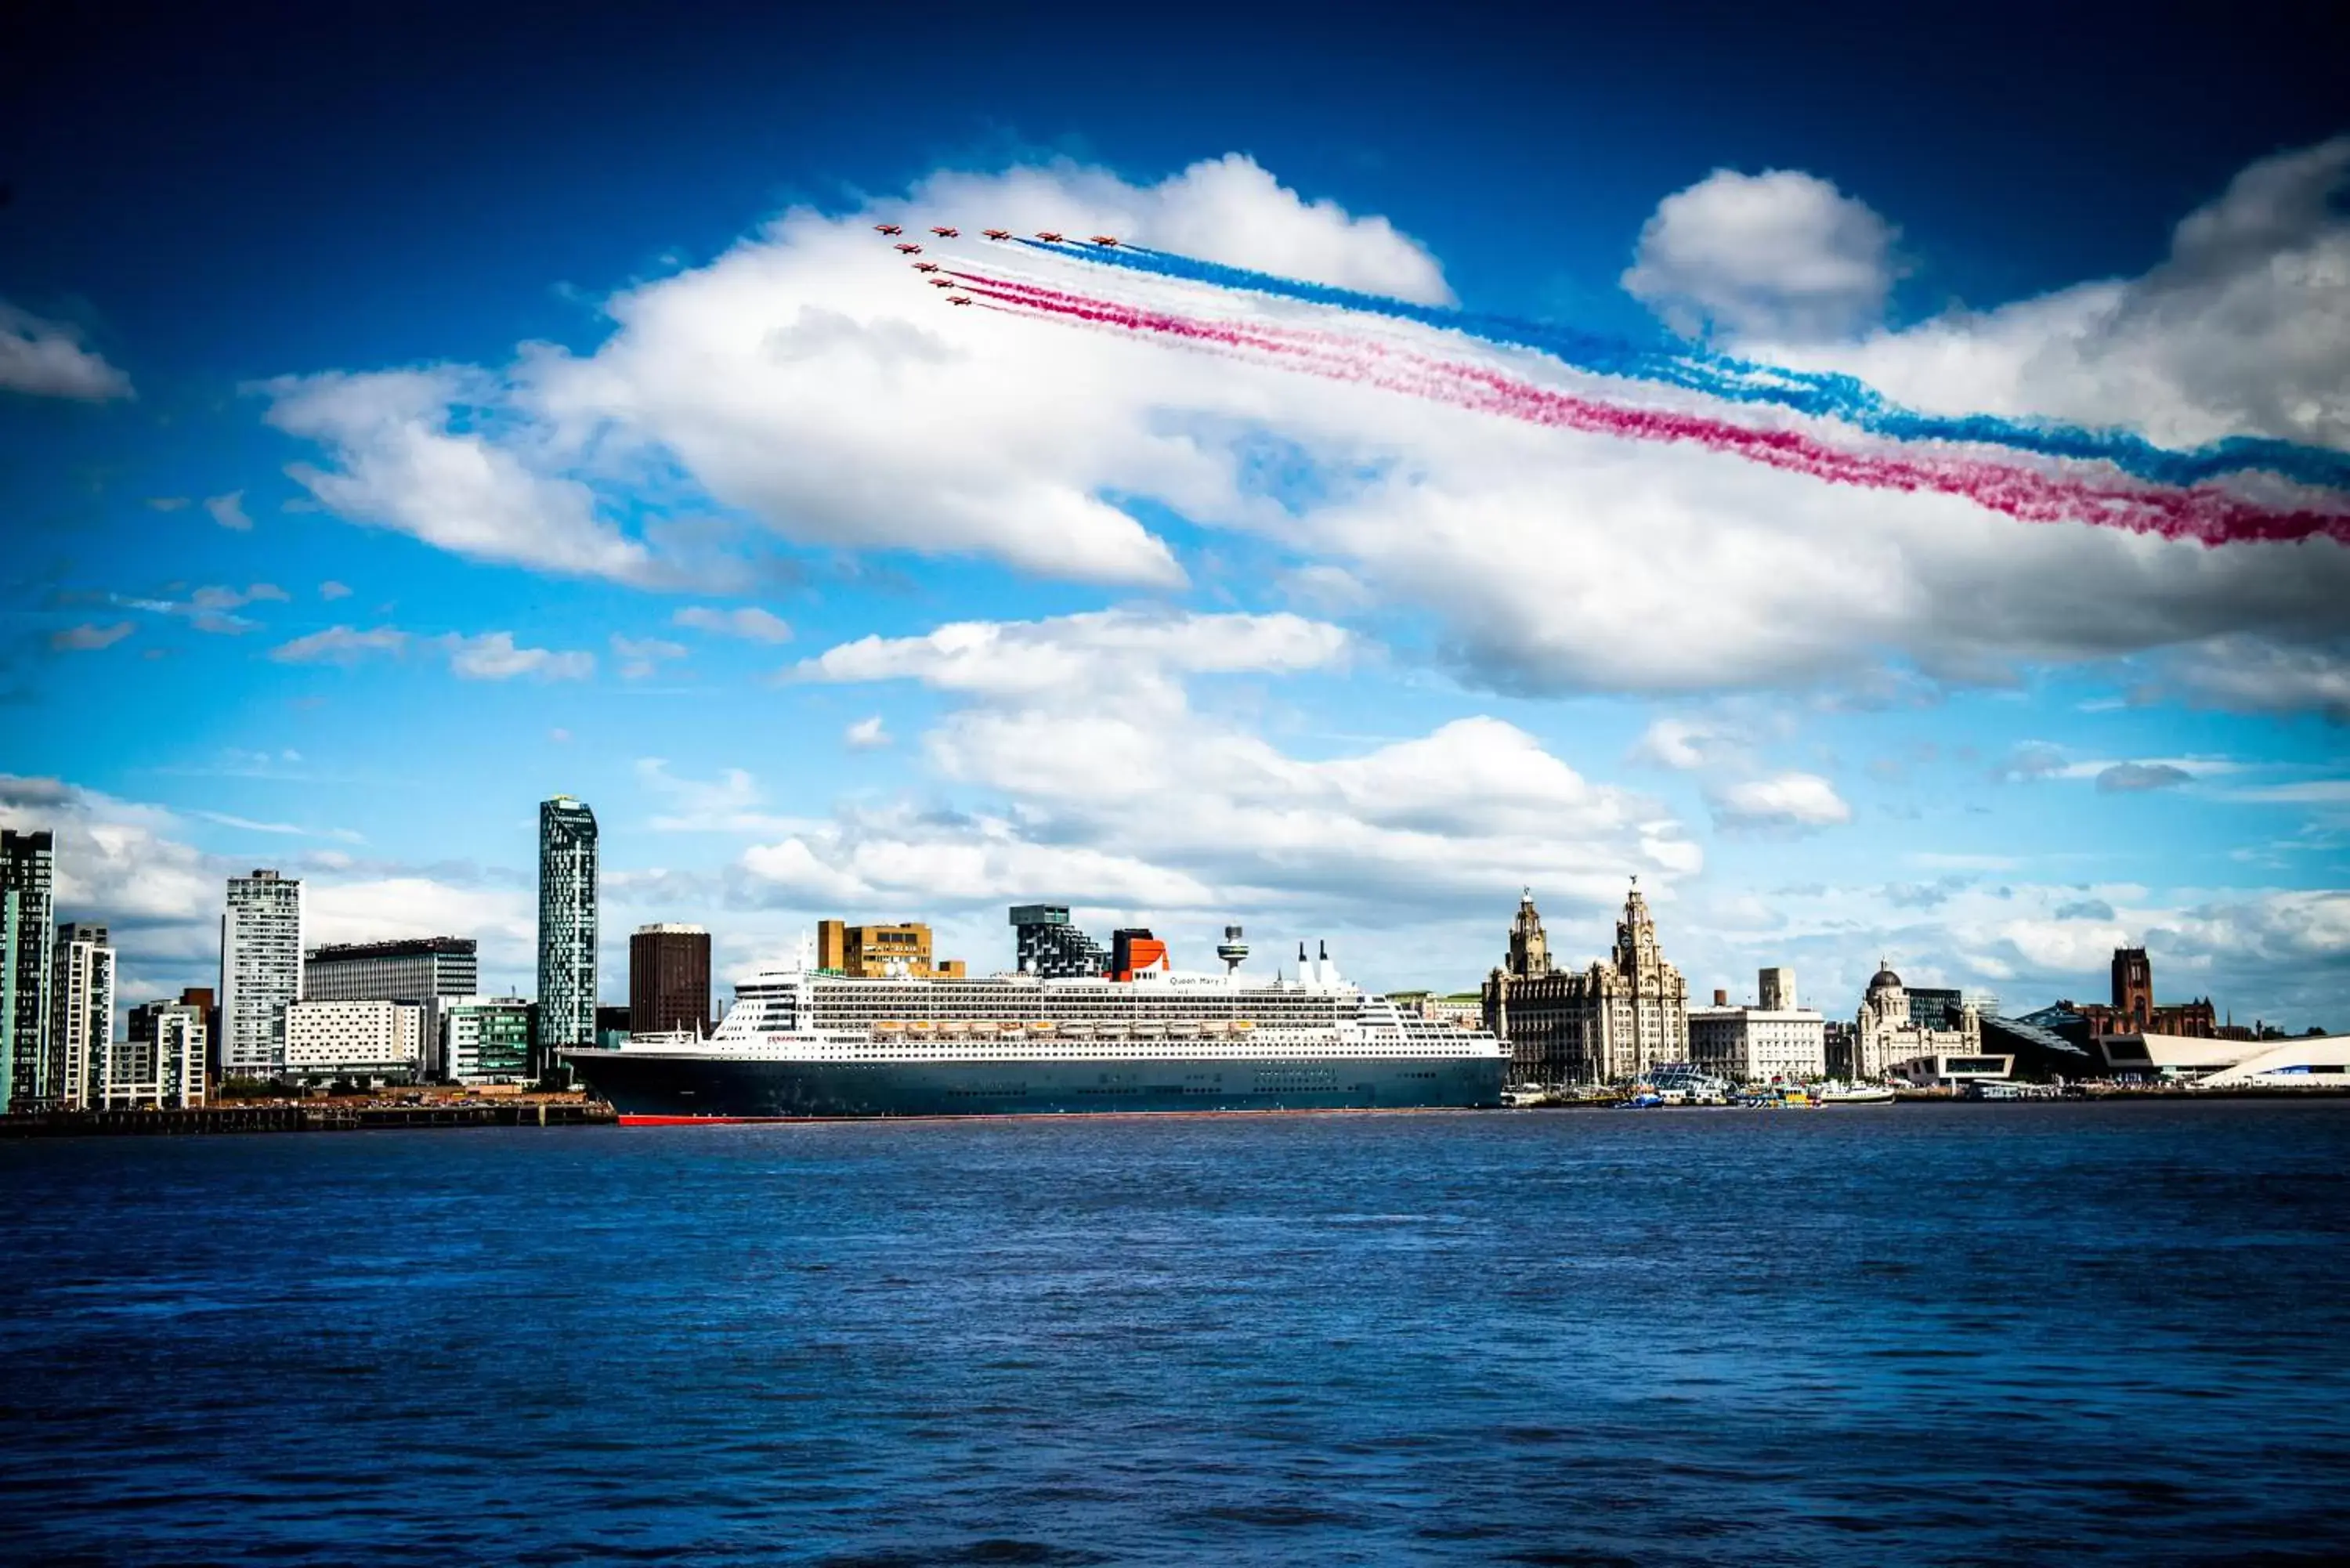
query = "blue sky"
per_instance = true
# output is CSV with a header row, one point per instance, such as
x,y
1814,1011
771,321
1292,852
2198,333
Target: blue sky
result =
x,y
564,327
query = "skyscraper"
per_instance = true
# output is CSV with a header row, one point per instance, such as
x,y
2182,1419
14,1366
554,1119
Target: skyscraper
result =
x,y
82,1020
26,909
261,972
566,924
669,979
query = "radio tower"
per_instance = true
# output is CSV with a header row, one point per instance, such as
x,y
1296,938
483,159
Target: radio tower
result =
x,y
1231,950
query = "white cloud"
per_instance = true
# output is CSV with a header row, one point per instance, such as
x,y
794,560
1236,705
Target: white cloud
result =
x,y
44,359
2241,330
341,645
1780,254
641,658
228,511
86,637
748,621
866,734
331,589
1796,800
403,461
493,655
1133,651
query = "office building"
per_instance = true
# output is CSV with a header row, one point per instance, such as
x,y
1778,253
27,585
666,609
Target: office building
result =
x,y
483,1039
1044,944
261,972
669,979
1774,1043
873,951
416,969
566,924
612,1030
1886,1036
366,1041
1608,1024
28,908
1935,1007
161,1063
81,1015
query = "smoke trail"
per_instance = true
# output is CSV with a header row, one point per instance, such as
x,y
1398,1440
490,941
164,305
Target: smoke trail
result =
x,y
2209,515
1818,394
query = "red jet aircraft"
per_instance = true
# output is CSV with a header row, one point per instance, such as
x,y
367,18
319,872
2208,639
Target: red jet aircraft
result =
x,y
926,266
958,299
948,233
1048,237
997,233
1104,240
910,249
888,229
940,282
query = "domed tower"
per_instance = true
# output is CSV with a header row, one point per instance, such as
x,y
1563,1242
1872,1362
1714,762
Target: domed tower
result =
x,y
1886,1005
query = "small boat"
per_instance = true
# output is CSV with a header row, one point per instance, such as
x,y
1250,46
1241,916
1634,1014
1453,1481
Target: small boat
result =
x,y
1647,1099
1855,1094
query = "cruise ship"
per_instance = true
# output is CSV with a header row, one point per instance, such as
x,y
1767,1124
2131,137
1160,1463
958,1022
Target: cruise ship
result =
x,y
806,1044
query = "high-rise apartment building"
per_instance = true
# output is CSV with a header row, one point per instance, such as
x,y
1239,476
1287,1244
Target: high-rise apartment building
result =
x,y
1044,944
566,924
81,1016
161,1064
261,972
28,907
669,979
416,969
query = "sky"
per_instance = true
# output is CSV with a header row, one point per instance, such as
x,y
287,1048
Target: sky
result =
x,y
406,418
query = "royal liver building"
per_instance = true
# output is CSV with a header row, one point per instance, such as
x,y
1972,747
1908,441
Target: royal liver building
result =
x,y
1614,1020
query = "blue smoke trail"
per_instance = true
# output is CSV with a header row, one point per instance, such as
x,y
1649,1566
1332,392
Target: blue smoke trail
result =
x,y
1821,394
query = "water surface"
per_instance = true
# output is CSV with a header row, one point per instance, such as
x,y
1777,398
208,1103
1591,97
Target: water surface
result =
x,y
1954,1334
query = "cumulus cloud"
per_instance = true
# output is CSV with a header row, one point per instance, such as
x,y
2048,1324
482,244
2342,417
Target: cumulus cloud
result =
x,y
1791,800
331,589
1781,255
341,645
228,511
493,655
748,621
2136,778
641,658
44,358
88,637
866,734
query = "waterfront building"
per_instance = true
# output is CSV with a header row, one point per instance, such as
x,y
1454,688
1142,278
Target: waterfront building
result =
x,y
2133,1010
161,1064
362,1040
81,1016
872,952
483,1039
669,979
1884,1035
612,1029
1607,1023
1045,944
1775,1042
261,972
1935,1007
566,923
415,968
28,908
2311,1061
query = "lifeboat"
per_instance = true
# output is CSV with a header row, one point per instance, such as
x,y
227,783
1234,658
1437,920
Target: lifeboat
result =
x,y
888,1026
1042,1027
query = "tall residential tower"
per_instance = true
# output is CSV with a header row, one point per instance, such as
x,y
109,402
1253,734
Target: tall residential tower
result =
x,y
82,1020
26,909
566,924
261,972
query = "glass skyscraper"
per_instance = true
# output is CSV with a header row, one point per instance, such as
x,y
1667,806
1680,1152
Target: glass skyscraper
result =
x,y
566,925
26,953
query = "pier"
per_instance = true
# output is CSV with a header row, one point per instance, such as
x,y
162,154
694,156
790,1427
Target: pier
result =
x,y
282,1116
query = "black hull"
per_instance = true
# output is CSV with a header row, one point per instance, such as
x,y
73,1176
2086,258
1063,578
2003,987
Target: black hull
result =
x,y
649,1086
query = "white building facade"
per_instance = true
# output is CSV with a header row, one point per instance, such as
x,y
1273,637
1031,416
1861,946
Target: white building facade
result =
x,y
81,1019
1885,1037
261,972
1759,1046
354,1039
165,1070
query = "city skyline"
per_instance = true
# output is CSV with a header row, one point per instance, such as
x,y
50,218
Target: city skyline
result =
x,y
668,486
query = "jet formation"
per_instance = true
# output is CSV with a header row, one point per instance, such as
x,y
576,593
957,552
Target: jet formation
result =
x,y
948,232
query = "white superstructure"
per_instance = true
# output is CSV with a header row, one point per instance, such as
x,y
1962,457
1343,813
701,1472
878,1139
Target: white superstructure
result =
x,y
802,1013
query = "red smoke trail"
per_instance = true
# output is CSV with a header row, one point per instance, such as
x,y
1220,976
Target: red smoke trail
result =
x,y
2209,515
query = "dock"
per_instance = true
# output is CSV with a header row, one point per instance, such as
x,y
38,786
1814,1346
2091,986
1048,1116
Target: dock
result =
x,y
283,1117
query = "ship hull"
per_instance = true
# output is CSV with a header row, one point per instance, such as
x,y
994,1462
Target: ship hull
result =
x,y
661,1088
